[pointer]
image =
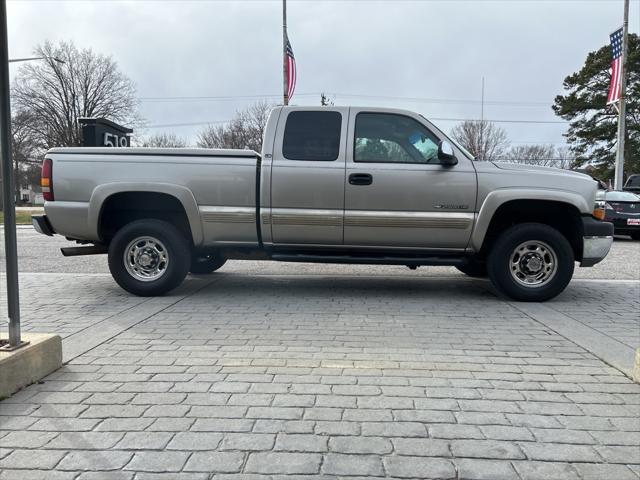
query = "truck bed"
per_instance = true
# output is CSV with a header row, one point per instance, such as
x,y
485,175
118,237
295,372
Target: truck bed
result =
x,y
217,187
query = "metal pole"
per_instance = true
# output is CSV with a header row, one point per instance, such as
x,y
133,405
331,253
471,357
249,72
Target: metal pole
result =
x,y
11,251
482,149
622,114
482,102
285,69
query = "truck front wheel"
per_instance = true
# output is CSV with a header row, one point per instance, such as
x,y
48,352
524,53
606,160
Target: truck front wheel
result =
x,y
531,262
149,257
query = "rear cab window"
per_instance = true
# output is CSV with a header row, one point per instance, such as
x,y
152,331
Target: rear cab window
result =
x,y
312,136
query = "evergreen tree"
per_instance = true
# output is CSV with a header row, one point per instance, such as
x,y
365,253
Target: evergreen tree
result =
x,y
593,126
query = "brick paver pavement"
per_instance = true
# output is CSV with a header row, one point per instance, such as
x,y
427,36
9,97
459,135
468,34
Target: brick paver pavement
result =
x,y
277,376
612,309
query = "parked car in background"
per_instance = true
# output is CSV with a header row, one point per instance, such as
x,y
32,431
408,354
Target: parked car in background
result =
x,y
623,210
632,184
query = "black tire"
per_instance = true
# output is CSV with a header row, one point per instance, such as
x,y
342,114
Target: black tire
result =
x,y
504,250
170,243
474,269
206,264
635,235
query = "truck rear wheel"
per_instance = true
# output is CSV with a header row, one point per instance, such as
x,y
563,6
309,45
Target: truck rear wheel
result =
x,y
149,257
202,265
531,262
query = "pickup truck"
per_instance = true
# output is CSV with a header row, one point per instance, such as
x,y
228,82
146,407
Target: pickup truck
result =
x,y
331,185
633,184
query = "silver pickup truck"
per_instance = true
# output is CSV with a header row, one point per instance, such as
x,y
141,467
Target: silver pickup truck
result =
x,y
332,185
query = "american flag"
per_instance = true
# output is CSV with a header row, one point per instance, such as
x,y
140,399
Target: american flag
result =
x,y
291,71
615,89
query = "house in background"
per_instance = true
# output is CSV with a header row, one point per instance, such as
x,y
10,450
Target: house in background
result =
x,y
30,195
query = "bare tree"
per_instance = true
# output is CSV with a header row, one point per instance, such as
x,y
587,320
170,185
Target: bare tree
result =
x,y
57,94
26,156
566,157
531,154
541,155
164,140
245,130
482,138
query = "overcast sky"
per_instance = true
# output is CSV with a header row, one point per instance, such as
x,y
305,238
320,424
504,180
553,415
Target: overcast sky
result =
x,y
433,53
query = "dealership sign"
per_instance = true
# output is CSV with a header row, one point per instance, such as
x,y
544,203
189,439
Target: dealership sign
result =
x,y
100,132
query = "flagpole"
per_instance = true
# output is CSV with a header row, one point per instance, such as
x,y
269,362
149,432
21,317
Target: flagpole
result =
x,y
619,170
285,82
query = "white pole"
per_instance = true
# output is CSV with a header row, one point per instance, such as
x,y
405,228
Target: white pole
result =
x,y
619,171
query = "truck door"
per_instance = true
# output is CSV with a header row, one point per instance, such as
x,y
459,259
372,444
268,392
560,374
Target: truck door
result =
x,y
397,194
307,177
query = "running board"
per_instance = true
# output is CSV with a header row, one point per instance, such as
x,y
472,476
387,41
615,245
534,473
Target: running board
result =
x,y
77,251
353,259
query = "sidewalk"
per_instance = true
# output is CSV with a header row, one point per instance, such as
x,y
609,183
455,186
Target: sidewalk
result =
x,y
280,376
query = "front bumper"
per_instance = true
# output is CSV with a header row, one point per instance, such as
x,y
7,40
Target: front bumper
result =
x,y
42,225
596,240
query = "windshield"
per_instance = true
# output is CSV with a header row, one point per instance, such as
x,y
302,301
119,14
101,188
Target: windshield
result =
x,y
633,181
618,196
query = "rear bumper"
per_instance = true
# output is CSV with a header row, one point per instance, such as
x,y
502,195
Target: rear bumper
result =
x,y
596,241
42,225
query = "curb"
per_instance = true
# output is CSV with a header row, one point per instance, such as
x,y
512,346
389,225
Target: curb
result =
x,y
30,363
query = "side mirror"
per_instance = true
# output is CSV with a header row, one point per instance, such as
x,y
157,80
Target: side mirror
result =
x,y
445,154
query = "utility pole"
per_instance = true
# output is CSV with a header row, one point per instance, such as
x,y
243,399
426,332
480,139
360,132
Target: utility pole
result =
x,y
10,244
482,149
482,103
622,114
285,72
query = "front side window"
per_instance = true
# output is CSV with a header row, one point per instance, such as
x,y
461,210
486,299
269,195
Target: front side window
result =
x,y
391,138
312,136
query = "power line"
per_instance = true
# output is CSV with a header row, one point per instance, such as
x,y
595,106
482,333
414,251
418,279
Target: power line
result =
x,y
533,142
186,124
217,97
439,119
446,119
444,101
512,2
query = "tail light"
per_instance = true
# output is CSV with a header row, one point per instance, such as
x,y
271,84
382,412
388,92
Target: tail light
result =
x,y
46,180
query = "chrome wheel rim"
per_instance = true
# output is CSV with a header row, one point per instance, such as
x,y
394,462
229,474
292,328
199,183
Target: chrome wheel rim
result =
x,y
533,264
146,259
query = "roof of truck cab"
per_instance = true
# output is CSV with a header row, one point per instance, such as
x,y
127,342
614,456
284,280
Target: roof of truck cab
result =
x,y
200,152
316,108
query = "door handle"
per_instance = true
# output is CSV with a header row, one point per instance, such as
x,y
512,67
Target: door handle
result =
x,y
360,179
